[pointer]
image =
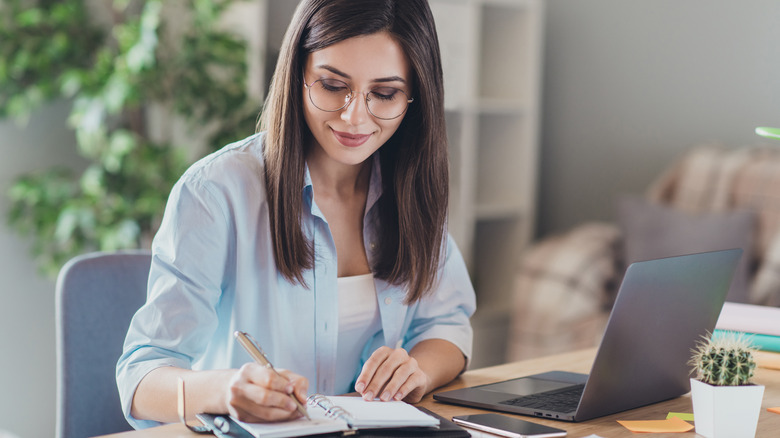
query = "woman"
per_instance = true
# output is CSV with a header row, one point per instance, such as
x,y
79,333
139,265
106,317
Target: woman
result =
x,y
324,236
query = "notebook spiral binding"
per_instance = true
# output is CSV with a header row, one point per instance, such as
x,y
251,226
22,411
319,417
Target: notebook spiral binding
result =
x,y
331,410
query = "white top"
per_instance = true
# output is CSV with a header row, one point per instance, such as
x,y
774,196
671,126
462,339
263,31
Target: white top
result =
x,y
358,321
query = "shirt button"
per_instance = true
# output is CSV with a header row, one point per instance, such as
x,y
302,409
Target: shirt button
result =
x,y
388,301
372,245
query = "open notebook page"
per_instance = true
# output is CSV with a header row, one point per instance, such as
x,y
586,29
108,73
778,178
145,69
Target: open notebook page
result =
x,y
360,414
318,424
365,414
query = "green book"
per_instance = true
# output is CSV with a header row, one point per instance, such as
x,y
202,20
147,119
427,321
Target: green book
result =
x,y
761,342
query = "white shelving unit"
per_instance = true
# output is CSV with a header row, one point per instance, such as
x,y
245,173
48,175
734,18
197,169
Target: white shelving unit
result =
x,y
492,57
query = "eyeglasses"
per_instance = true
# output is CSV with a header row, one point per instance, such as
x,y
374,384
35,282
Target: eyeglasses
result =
x,y
332,95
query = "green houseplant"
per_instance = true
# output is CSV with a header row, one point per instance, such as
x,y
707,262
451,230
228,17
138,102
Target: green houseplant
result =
x,y
124,65
725,401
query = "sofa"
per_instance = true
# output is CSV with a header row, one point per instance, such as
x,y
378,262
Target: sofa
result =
x,y
710,198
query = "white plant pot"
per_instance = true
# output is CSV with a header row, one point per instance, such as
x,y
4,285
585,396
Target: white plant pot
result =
x,y
726,411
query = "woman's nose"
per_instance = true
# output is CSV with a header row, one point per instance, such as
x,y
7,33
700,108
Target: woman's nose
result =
x,y
356,110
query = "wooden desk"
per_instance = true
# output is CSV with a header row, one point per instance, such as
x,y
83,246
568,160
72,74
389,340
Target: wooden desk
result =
x,y
579,361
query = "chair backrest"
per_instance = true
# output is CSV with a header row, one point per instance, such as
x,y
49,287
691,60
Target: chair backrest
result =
x,y
96,296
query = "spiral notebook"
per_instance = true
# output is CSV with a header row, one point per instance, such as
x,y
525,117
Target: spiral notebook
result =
x,y
334,414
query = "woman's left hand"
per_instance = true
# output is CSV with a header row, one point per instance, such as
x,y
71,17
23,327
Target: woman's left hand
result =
x,y
391,374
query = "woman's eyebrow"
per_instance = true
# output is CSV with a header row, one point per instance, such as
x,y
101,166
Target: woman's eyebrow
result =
x,y
390,79
336,71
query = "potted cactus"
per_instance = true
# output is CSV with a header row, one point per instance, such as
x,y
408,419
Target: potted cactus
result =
x,y
725,401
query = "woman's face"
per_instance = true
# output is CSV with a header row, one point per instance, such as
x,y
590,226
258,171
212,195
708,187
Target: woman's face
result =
x,y
366,63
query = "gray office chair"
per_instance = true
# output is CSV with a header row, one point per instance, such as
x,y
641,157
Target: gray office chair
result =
x,y
97,295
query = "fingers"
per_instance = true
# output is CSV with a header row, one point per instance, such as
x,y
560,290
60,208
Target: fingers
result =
x,y
370,368
256,394
391,374
300,385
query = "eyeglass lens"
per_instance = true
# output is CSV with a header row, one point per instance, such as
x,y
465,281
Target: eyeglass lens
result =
x,y
382,102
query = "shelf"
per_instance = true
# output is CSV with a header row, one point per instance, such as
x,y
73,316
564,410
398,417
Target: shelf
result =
x,y
500,211
454,139
503,76
490,314
501,159
454,25
497,248
514,4
501,106
490,325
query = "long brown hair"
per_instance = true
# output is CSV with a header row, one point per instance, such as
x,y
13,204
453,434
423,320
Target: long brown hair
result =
x,y
413,205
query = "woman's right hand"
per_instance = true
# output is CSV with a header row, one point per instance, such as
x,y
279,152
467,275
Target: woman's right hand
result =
x,y
257,394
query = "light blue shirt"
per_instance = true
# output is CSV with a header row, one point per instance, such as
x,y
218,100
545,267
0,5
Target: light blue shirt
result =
x,y
213,272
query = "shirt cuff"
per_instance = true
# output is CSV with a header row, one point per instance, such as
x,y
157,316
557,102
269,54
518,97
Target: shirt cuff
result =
x,y
459,335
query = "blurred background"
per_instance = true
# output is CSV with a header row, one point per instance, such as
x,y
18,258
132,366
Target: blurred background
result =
x,y
624,89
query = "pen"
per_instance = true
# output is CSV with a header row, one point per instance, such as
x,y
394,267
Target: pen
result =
x,y
247,341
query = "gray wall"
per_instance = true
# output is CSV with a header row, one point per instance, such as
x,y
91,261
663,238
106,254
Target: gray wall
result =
x,y
27,360
630,85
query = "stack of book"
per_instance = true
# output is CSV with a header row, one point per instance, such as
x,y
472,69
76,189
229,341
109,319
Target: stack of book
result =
x,y
760,323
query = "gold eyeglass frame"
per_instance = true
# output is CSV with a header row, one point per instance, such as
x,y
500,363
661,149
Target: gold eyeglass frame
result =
x,y
351,96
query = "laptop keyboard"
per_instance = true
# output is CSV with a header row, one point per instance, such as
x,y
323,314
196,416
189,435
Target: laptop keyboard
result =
x,y
560,400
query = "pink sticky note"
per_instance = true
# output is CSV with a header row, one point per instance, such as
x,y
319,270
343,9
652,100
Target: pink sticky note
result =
x,y
673,424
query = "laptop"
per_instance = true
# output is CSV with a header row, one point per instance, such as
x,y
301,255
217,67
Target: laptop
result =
x,y
663,308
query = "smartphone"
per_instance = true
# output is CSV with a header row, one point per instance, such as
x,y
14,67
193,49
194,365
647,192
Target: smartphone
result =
x,y
507,426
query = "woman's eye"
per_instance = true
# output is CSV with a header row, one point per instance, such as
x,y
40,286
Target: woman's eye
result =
x,y
385,93
334,86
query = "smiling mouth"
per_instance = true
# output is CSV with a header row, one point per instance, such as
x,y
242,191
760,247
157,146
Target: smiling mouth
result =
x,y
350,140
